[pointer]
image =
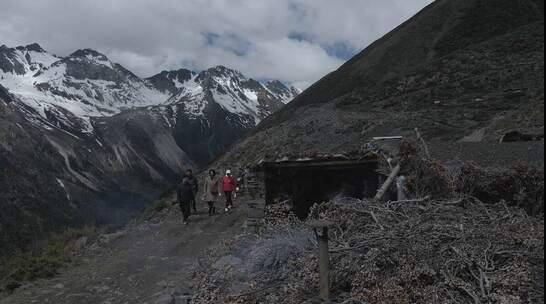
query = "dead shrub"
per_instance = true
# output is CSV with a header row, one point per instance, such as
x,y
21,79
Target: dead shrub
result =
x,y
519,186
425,177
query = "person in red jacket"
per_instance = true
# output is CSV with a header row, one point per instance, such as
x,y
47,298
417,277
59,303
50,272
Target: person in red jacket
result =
x,y
229,186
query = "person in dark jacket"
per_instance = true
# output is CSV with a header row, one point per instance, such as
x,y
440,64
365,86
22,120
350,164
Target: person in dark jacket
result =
x,y
195,187
185,195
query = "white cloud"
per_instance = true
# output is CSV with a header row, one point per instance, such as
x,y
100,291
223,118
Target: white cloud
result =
x,y
249,35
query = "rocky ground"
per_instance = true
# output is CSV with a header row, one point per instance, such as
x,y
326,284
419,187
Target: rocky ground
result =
x,y
150,263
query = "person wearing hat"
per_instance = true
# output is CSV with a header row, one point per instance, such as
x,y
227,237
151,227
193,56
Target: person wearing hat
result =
x,y
229,185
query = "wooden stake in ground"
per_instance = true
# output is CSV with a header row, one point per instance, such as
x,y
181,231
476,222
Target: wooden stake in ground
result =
x,y
324,258
388,182
401,188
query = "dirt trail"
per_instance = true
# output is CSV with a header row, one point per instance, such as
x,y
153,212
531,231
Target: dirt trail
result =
x,y
147,263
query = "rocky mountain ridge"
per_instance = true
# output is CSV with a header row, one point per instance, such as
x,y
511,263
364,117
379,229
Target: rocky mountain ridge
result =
x,y
100,143
87,84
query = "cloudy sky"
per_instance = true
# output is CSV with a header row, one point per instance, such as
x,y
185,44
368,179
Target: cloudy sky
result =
x,y
296,41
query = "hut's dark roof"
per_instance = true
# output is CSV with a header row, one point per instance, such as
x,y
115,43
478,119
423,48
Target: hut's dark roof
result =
x,y
316,159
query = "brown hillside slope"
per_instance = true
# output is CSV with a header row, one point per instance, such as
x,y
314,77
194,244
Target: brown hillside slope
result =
x,y
460,70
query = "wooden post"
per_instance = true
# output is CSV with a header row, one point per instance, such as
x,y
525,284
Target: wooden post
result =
x,y
423,142
324,258
388,137
401,188
324,261
388,182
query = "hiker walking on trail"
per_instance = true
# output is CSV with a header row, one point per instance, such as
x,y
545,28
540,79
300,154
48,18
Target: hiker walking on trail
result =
x,y
229,186
211,190
185,196
194,186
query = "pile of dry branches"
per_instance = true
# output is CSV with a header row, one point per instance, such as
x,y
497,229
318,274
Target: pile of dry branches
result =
x,y
437,252
280,215
450,252
426,176
519,186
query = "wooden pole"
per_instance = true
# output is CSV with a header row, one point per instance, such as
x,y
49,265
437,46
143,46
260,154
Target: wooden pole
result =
x,y
324,257
388,137
324,261
388,182
401,188
422,140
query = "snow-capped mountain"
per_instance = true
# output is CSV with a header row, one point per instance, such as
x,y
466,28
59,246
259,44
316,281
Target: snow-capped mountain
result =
x,y
211,110
84,139
87,84
232,91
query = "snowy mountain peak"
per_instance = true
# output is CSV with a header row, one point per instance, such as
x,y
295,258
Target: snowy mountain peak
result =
x,y
170,81
88,64
89,54
180,74
69,92
86,57
275,85
34,47
225,71
280,89
218,73
233,92
25,59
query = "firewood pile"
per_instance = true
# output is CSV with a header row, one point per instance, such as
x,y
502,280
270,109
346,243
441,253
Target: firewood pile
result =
x,y
426,176
460,251
280,213
520,186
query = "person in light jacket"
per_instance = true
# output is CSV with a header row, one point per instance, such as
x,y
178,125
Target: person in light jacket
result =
x,y
229,186
211,191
